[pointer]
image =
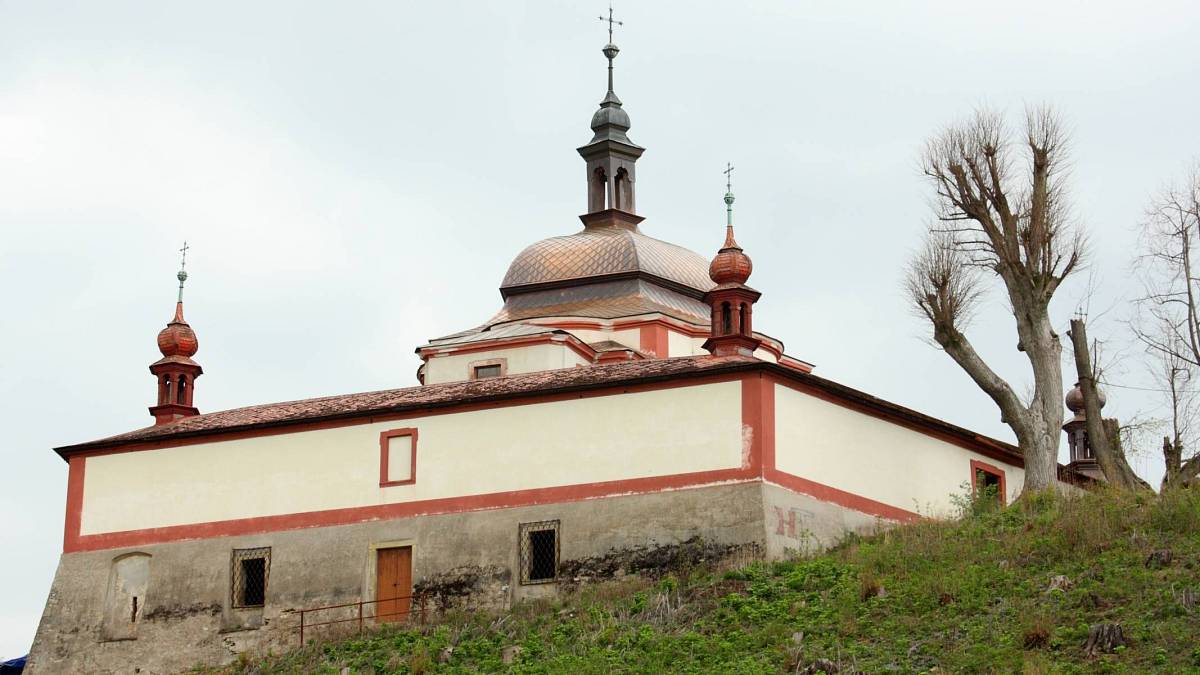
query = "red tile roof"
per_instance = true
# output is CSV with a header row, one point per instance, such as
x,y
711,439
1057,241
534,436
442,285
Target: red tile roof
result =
x,y
433,395
546,382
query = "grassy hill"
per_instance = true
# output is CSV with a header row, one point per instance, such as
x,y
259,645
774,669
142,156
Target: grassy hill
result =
x,y
1011,590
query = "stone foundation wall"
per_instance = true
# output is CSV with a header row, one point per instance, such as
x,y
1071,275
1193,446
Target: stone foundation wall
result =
x,y
458,560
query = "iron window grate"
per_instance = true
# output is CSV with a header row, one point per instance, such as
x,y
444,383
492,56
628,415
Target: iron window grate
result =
x,y
250,568
539,552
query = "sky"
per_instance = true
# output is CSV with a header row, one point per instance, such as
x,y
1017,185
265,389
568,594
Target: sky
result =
x,y
354,178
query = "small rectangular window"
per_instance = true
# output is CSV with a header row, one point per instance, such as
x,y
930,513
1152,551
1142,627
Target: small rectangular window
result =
x,y
987,479
539,552
482,372
251,567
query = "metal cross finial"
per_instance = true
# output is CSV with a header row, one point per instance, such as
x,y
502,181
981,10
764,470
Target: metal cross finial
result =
x,y
182,275
611,21
728,196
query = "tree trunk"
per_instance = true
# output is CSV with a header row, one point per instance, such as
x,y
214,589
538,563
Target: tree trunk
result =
x,y
1105,442
1044,418
1180,474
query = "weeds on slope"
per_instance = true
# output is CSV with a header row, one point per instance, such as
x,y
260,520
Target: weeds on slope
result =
x,y
1001,590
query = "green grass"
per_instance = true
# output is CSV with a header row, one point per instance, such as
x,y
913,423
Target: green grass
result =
x,y
967,596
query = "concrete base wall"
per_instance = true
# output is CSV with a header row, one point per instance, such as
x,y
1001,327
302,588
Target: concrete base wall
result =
x,y
795,523
472,558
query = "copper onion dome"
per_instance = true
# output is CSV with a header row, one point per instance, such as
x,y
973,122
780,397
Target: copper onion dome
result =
x,y
731,265
178,338
1074,399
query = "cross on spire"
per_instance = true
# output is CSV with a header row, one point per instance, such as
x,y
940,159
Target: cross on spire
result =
x,y
610,52
182,275
611,21
729,198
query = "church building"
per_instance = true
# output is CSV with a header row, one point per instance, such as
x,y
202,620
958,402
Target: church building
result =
x,y
622,406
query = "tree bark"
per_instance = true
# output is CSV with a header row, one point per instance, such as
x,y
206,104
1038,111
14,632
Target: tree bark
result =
x,y
1107,448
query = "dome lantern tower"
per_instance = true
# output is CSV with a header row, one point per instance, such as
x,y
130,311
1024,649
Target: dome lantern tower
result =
x,y
731,300
610,155
176,372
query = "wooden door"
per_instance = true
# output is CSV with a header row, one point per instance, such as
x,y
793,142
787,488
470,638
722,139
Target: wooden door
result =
x,y
393,584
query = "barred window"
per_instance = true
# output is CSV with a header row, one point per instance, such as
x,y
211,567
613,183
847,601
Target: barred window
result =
x,y
539,552
250,568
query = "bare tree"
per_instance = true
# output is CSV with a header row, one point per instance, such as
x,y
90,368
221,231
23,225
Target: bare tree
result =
x,y
999,217
1168,317
1175,376
1104,436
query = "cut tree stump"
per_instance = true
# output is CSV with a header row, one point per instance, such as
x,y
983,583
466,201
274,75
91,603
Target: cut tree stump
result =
x,y
821,666
1160,558
1104,638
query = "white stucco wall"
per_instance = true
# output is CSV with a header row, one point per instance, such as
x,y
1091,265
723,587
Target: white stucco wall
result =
x,y
680,344
873,458
765,355
637,435
524,359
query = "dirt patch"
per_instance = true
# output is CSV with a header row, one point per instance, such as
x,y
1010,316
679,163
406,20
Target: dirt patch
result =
x,y
653,561
454,587
181,612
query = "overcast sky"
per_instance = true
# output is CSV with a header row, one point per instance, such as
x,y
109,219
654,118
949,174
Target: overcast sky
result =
x,y
354,178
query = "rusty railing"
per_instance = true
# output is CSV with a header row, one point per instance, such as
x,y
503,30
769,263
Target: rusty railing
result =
x,y
416,604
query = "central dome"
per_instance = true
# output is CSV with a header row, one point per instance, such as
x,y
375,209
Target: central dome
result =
x,y
601,251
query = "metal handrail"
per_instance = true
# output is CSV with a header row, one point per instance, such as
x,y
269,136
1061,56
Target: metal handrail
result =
x,y
419,600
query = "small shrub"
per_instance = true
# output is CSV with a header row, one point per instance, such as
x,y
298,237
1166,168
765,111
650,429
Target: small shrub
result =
x,y
1037,633
868,586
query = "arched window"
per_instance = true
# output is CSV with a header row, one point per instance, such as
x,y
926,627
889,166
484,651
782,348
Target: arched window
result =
x,y
743,327
726,319
181,390
598,190
164,393
621,196
125,601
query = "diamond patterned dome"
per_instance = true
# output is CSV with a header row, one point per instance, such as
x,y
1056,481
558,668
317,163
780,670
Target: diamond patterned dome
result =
x,y
598,251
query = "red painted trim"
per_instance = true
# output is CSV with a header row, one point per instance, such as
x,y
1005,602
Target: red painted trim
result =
x,y
758,422
615,325
833,495
977,465
75,473
384,438
653,340
796,364
347,516
767,386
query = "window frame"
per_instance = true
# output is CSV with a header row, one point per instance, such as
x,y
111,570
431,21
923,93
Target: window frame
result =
x,y
1002,490
237,585
525,544
474,366
385,438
